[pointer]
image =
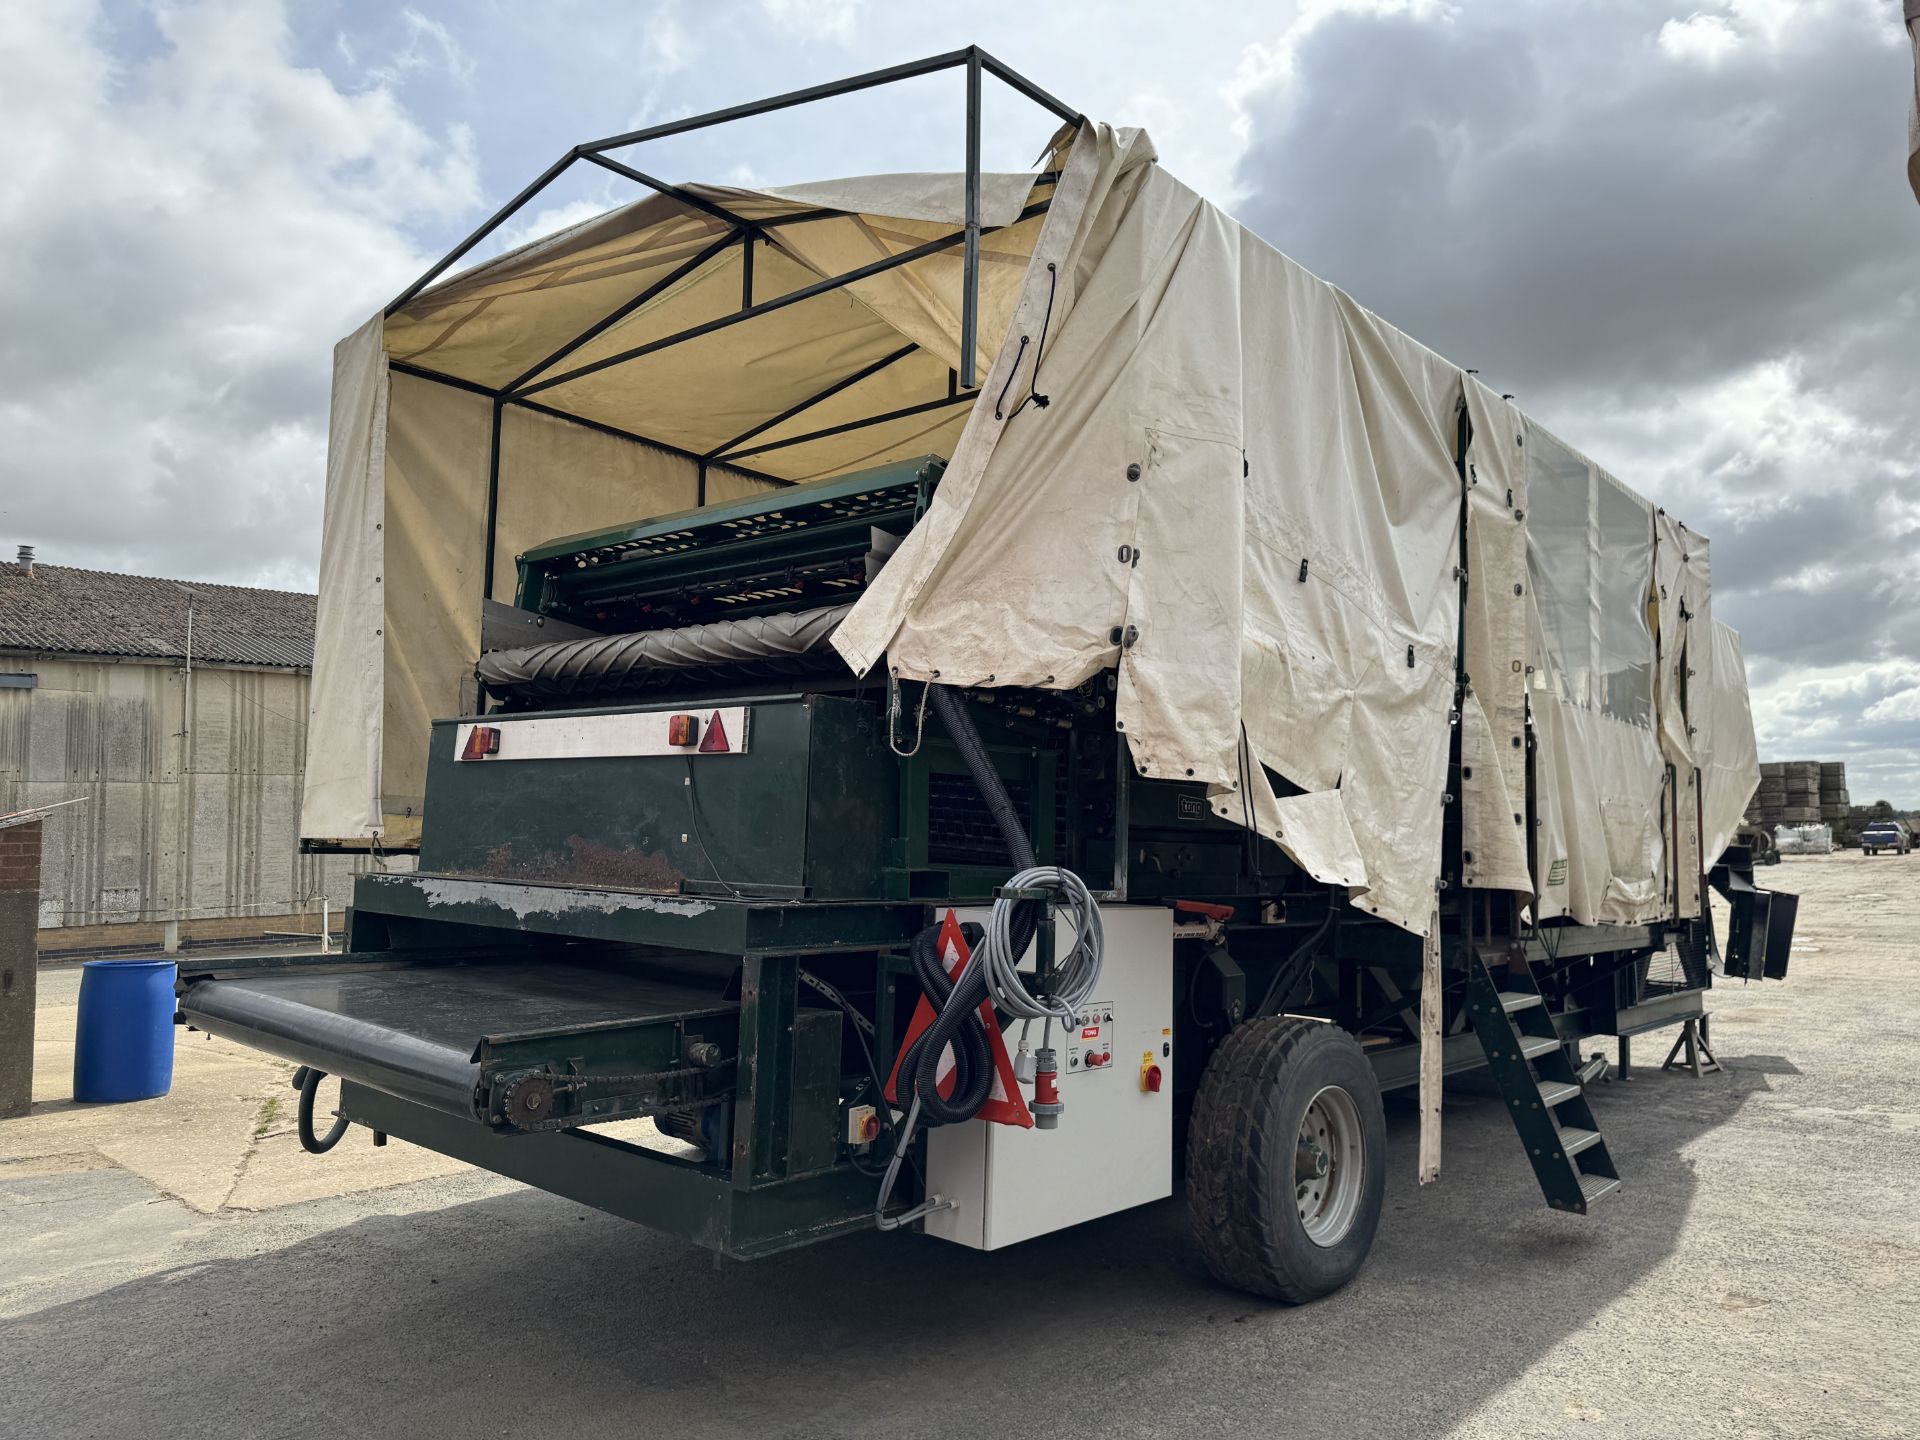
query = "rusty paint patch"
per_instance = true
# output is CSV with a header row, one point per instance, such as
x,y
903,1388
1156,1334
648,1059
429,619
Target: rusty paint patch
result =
x,y
587,862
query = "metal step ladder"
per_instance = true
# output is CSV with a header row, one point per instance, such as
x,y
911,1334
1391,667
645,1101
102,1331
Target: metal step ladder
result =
x,y
1536,1076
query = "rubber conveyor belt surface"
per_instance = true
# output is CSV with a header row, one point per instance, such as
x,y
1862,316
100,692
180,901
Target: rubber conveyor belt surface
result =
x,y
603,663
415,1032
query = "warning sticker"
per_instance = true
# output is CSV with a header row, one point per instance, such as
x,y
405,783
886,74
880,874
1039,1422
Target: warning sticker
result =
x,y
1557,872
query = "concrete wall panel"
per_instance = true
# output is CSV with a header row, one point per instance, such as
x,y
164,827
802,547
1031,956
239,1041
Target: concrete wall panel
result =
x,y
179,821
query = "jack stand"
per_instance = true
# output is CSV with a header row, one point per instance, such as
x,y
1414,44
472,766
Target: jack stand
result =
x,y
1693,1039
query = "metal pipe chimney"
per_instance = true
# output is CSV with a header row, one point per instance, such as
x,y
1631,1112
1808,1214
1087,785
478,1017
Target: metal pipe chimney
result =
x,y
26,560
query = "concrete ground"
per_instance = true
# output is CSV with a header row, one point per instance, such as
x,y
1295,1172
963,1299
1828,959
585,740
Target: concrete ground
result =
x,y
179,1268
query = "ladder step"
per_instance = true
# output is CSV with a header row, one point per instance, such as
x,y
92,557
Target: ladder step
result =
x,y
1556,1092
1573,1140
1595,1187
1512,1000
1532,1045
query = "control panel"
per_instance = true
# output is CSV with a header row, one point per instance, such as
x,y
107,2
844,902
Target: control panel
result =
x,y
1113,1147
1090,1048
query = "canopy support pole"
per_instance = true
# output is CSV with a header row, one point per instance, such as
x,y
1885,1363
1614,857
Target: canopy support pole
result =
x,y
614,317
925,406
970,279
493,499
866,81
847,383
674,192
778,302
547,177
973,58
1432,1049
419,372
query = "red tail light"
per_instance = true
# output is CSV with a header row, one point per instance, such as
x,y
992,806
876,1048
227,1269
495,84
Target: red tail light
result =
x,y
482,741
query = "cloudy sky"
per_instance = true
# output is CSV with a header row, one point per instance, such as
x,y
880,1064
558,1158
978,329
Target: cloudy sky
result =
x,y
1678,229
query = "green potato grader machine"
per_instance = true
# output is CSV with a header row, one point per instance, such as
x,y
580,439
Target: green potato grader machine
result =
x,y
1047,697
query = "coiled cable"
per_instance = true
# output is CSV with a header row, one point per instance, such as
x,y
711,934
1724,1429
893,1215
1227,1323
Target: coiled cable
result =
x,y
1075,975
994,976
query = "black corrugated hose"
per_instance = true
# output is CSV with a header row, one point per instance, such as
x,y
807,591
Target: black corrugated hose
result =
x,y
307,1081
957,1021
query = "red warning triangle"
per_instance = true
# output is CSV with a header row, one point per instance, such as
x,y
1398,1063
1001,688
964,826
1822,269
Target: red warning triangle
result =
x,y
715,741
1005,1104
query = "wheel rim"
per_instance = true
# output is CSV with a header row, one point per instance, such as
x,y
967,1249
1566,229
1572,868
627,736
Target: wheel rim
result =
x,y
1328,1169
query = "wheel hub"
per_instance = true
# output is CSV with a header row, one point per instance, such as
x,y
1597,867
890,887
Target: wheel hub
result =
x,y
1328,1172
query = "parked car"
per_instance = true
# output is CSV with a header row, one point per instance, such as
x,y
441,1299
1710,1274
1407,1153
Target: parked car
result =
x,y
1886,835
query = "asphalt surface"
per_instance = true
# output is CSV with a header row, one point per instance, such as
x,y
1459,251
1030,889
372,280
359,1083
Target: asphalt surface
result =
x,y
1757,1275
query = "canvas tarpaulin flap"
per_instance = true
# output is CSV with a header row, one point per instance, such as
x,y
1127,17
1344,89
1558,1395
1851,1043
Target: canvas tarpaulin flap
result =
x,y
1493,711
436,509
1732,770
341,795
1157,513
1685,608
1685,700
1600,851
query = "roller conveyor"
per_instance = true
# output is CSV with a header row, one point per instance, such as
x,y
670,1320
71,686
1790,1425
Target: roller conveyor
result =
x,y
453,1036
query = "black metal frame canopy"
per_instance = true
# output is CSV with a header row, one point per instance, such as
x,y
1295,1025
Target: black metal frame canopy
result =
x,y
961,384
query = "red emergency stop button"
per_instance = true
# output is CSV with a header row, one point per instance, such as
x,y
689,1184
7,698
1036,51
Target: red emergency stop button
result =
x,y
1150,1079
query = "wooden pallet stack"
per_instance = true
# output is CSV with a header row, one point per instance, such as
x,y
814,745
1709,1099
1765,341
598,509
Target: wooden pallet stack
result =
x,y
1800,792
1834,802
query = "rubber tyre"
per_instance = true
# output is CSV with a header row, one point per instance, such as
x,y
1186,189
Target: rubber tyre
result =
x,y
1240,1157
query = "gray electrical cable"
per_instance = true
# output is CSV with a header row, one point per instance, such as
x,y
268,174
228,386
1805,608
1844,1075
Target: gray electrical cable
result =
x,y
1076,974
881,1219
995,973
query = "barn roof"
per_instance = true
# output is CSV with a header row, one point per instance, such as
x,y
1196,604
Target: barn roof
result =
x,y
95,612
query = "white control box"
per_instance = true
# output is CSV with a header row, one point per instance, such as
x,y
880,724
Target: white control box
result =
x,y
1113,1148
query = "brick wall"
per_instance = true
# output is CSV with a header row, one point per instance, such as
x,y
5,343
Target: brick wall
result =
x,y
20,857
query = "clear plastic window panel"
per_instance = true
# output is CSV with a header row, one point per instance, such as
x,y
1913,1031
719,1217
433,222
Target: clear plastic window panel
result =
x,y
1560,561
1624,678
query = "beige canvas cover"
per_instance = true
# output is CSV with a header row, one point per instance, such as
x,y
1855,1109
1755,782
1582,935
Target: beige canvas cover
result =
x,y
1188,460
1732,771
409,469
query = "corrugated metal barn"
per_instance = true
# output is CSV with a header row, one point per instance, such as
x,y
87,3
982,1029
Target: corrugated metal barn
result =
x,y
177,715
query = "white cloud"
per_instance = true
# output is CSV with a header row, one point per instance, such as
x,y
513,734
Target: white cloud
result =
x,y
425,45
1266,70
1703,39
815,19
187,234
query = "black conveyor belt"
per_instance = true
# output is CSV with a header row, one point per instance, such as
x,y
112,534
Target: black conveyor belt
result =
x,y
413,1031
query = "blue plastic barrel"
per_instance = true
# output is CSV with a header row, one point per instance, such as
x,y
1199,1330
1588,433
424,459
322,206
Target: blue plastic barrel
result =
x,y
124,1047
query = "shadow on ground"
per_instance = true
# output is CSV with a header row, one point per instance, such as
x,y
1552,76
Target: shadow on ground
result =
x,y
524,1314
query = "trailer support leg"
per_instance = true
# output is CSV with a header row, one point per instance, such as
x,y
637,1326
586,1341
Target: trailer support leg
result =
x,y
1693,1040
1625,1067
